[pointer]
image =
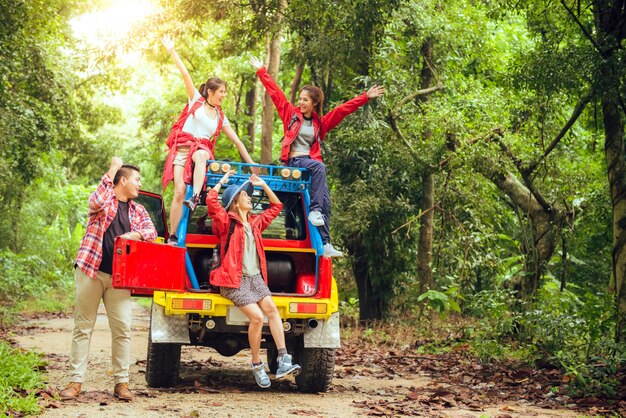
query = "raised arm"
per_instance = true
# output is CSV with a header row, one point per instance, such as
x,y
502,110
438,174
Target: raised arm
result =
x,y
335,116
283,107
214,209
276,205
169,45
104,191
232,135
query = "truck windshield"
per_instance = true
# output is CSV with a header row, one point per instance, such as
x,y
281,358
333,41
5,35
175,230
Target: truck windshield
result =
x,y
154,206
289,224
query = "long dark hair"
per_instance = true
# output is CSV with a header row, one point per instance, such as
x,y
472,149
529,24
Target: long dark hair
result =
x,y
317,95
212,84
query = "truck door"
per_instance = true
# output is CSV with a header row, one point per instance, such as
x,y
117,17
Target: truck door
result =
x,y
144,267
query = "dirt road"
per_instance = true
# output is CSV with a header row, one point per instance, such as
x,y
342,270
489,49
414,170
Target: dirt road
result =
x,y
216,386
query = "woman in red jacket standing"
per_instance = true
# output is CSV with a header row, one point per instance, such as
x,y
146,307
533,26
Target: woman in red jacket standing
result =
x,y
242,274
192,139
305,129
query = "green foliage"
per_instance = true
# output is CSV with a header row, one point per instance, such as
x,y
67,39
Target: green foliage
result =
x,y
349,311
561,328
19,378
36,109
519,69
58,299
21,276
320,24
49,228
441,302
372,202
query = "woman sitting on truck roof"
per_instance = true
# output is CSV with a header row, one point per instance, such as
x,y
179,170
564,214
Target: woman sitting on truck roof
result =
x,y
305,129
192,139
242,273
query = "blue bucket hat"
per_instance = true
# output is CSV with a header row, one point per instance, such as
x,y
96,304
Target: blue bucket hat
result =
x,y
232,191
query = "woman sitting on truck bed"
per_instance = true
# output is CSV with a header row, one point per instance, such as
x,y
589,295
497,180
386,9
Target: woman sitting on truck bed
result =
x,y
242,273
191,141
305,129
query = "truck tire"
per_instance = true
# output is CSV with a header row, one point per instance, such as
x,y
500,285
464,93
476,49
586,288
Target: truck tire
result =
x,y
272,360
162,364
318,365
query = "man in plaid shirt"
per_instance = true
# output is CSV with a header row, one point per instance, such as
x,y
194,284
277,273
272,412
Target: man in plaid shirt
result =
x,y
111,213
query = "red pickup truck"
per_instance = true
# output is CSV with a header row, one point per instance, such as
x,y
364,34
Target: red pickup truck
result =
x,y
187,310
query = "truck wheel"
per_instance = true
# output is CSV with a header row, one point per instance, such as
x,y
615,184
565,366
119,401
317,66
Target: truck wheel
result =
x,y
318,365
162,364
272,360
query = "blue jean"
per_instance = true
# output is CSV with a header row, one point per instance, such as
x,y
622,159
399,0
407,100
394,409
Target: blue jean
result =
x,y
318,192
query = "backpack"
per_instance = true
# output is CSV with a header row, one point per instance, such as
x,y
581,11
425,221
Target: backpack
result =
x,y
215,258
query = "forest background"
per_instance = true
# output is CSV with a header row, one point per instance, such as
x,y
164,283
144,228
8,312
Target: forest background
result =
x,y
487,186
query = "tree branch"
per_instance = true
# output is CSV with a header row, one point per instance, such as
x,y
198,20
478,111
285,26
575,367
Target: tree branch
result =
x,y
575,115
421,92
396,129
505,148
526,177
584,31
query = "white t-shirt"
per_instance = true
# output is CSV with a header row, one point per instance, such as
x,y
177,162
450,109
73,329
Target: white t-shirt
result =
x,y
200,125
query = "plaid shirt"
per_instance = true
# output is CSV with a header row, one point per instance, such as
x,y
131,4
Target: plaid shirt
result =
x,y
102,210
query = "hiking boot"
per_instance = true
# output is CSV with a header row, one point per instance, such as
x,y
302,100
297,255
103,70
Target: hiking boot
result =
x,y
192,202
71,391
261,377
122,392
330,251
316,218
172,240
285,367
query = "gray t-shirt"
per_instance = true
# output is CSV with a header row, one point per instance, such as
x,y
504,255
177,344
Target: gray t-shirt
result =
x,y
305,138
250,261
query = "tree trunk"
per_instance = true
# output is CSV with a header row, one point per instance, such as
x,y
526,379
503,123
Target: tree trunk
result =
x,y
273,63
614,152
543,227
609,24
235,123
295,84
267,124
251,96
370,305
425,244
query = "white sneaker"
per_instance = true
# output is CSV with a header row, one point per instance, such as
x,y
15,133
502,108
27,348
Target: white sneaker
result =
x,y
285,367
330,251
316,218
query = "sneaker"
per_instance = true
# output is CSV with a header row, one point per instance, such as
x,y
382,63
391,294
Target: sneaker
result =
x,y
261,377
316,218
172,240
330,251
285,367
192,202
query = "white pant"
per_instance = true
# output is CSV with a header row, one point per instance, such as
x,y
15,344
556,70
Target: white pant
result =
x,y
117,302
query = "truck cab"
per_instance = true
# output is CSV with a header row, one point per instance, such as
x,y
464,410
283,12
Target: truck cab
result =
x,y
187,310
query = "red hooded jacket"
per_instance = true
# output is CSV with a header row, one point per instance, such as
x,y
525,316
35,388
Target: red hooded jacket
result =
x,y
321,126
178,138
229,272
